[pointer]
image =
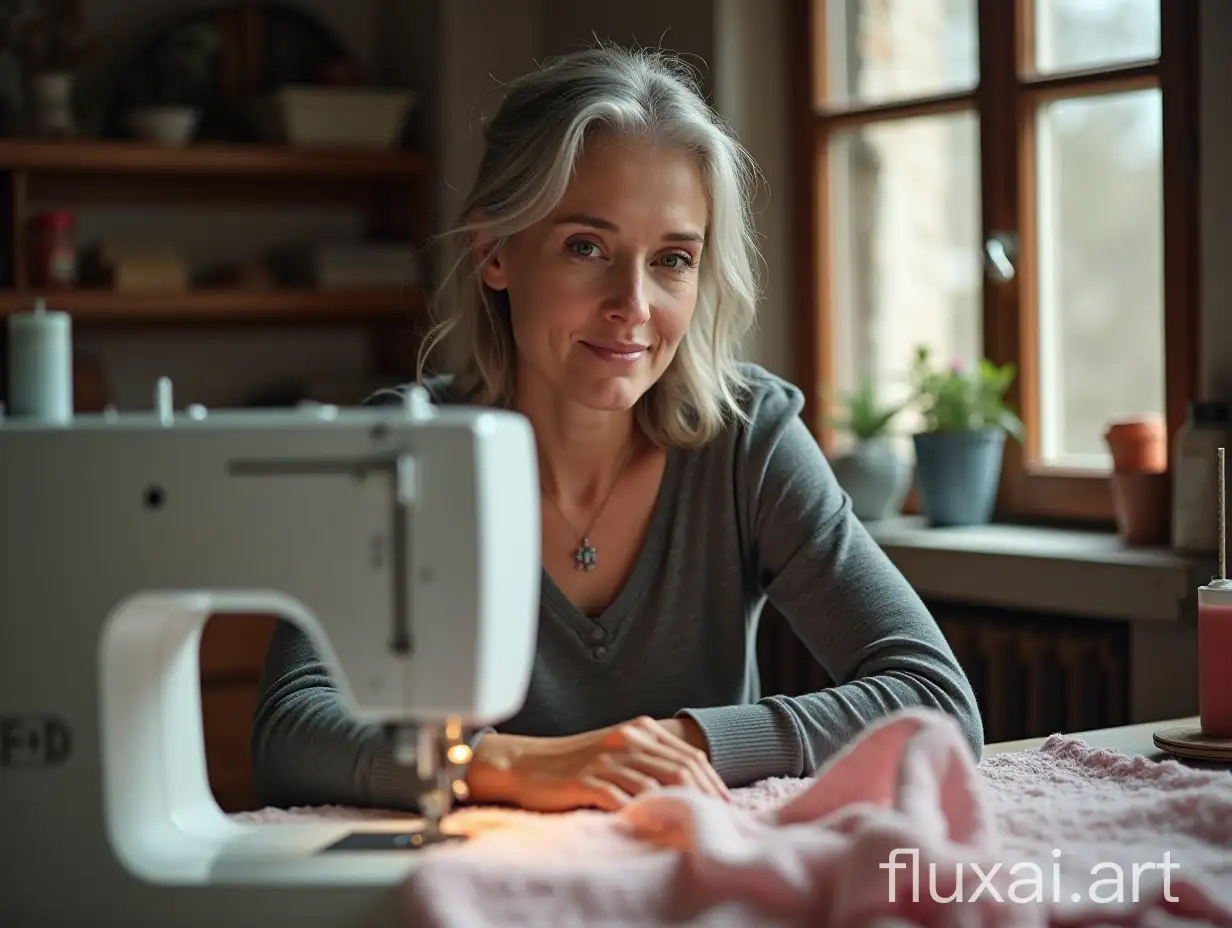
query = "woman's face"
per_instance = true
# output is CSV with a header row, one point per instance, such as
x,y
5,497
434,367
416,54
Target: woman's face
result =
x,y
601,291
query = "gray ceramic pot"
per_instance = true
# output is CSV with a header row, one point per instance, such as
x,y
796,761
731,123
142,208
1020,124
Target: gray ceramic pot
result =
x,y
959,474
876,477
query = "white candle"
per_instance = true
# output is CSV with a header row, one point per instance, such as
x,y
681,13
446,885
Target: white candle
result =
x,y
41,365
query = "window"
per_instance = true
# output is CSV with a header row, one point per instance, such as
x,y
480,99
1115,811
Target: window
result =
x,y
1013,179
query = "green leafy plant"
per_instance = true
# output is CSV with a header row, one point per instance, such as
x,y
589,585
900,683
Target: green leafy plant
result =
x,y
50,38
954,399
179,73
865,417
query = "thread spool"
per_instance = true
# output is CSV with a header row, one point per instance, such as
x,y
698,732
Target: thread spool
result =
x,y
1221,515
41,365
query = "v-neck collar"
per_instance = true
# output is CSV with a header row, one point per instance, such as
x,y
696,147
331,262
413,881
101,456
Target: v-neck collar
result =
x,y
648,560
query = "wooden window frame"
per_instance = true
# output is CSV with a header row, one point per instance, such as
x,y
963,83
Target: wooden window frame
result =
x,y
1005,101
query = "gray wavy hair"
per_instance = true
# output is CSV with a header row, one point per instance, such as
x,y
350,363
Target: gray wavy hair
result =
x,y
532,146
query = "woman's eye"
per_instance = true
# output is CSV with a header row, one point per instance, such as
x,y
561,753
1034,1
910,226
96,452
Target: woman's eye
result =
x,y
678,261
580,249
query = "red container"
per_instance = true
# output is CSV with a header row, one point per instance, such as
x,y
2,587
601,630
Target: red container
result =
x,y
1214,658
53,249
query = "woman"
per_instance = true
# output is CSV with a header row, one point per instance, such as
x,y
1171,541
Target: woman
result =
x,y
600,286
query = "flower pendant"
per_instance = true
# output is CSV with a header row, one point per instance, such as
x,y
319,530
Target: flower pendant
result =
x,y
585,557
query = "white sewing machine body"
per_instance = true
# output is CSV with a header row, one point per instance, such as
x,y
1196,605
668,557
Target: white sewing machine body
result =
x,y
403,539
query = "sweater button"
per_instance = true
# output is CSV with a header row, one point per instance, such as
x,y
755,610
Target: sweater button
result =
x,y
596,634
600,652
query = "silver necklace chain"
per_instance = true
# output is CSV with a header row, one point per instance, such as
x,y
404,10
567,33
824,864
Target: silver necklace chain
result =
x,y
585,555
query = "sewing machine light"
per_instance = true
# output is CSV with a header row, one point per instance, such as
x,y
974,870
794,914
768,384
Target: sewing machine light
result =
x,y
460,754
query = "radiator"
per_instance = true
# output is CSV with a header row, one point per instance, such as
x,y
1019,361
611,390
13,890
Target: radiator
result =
x,y
1032,674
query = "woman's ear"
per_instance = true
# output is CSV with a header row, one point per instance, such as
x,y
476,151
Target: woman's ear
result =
x,y
492,266
487,255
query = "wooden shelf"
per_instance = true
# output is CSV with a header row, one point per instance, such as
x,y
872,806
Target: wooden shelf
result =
x,y
386,185
87,157
224,306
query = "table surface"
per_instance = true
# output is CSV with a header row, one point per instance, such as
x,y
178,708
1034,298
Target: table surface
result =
x,y
1128,739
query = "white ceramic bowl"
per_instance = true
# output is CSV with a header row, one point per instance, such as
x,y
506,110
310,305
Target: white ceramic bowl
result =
x,y
166,125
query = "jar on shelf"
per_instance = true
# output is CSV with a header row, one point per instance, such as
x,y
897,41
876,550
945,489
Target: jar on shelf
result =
x,y
1195,482
53,249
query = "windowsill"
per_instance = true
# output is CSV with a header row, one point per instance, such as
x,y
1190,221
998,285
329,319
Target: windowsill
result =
x,y
1067,571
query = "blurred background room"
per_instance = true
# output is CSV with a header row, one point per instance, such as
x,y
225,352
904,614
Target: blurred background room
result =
x,y
241,196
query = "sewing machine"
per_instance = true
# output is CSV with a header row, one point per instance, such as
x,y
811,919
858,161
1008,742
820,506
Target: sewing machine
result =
x,y
403,539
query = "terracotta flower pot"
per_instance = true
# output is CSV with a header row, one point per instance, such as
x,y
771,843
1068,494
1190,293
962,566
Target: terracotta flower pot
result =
x,y
1142,504
1139,445
1140,486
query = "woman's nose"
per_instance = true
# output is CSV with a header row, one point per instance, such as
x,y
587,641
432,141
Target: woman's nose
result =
x,y
630,301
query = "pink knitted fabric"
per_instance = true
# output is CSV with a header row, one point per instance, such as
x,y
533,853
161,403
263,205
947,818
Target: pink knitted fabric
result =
x,y
897,824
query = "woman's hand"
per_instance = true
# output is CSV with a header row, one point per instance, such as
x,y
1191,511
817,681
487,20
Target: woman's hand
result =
x,y
602,769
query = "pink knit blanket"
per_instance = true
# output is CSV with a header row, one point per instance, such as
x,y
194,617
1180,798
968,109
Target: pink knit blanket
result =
x,y
902,828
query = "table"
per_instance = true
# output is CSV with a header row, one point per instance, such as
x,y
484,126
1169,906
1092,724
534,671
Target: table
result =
x,y
1134,740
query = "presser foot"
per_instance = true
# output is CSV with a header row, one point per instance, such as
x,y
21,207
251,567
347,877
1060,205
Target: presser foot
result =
x,y
393,841
435,806
438,757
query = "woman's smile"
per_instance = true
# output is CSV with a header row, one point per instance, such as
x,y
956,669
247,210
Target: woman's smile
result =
x,y
616,353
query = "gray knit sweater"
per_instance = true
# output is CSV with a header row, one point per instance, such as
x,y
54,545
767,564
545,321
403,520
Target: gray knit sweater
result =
x,y
754,516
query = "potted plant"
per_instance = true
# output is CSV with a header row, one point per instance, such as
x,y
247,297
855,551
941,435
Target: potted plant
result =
x,y
167,95
873,473
961,442
49,44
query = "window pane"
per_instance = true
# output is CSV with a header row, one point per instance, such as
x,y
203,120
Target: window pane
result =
x,y
1100,246
905,249
883,50
1074,34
